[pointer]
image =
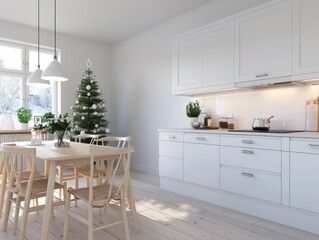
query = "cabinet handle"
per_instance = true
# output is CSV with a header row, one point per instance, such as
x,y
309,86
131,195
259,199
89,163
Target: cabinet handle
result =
x,y
247,141
262,75
313,146
246,174
200,138
247,151
171,137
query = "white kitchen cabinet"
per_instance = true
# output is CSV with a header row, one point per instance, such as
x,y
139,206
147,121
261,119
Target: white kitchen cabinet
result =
x,y
201,159
250,166
304,177
188,62
171,161
263,43
305,36
219,54
204,59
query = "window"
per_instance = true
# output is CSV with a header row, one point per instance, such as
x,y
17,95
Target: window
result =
x,y
17,62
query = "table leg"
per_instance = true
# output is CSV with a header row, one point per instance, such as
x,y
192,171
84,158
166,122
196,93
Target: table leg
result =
x,y
48,202
131,201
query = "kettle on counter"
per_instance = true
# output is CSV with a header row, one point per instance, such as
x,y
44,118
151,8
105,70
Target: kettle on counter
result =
x,y
261,123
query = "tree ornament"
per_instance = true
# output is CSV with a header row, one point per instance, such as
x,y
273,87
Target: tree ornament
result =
x,y
76,126
94,106
89,94
84,107
71,107
107,130
95,113
74,114
96,125
82,132
91,81
88,87
98,90
82,117
77,101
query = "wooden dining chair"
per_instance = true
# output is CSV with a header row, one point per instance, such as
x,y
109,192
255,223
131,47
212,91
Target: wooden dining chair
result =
x,y
3,174
106,195
100,168
15,159
63,175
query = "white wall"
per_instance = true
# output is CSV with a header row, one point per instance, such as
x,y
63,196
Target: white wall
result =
x,y
142,100
75,53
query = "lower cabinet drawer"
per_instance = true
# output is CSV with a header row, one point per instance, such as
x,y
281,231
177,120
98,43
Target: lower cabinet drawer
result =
x,y
252,184
260,159
171,167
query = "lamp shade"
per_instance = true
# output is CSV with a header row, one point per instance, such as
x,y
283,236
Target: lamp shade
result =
x,y
55,72
36,78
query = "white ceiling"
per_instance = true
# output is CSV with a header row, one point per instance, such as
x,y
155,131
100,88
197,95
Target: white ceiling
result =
x,y
103,20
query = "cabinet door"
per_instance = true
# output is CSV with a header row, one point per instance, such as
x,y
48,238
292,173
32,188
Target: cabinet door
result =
x,y
219,54
304,179
306,36
188,62
263,43
201,164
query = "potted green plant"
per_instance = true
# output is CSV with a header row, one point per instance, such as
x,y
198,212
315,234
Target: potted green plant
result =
x,y
192,111
24,116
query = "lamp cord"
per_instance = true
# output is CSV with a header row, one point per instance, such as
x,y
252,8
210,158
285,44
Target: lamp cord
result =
x,y
39,34
55,57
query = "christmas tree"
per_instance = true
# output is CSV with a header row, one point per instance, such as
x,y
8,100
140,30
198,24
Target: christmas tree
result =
x,y
89,110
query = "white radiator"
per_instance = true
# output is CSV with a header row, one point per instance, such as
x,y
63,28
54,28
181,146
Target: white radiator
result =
x,y
17,137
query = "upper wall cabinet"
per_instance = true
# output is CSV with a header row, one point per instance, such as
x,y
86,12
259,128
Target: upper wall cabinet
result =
x,y
263,43
204,59
305,36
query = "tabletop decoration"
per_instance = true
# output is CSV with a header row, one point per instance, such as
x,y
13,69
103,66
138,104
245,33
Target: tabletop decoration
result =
x,y
60,127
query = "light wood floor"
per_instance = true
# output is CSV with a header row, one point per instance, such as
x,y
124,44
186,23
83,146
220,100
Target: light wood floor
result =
x,y
165,215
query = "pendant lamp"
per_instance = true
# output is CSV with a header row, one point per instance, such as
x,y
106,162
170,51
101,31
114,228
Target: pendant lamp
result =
x,y
55,72
35,78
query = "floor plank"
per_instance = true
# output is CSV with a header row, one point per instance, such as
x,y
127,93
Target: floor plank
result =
x,y
165,215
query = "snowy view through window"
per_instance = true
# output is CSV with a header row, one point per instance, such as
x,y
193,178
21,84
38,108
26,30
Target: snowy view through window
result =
x,y
17,62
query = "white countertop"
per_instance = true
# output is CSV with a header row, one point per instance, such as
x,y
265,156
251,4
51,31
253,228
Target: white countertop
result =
x,y
225,131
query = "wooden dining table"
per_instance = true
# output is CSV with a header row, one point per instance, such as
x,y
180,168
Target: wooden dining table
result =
x,y
77,153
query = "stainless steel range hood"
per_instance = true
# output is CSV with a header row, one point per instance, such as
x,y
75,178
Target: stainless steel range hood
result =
x,y
297,80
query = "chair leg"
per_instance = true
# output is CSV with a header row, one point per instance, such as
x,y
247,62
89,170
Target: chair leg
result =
x,y
61,172
67,200
124,216
16,215
2,189
25,217
90,222
7,212
76,180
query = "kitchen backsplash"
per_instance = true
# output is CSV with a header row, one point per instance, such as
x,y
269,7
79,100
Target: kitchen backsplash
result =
x,y
287,104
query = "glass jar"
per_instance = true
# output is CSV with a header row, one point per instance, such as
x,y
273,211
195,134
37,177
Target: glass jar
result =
x,y
208,120
223,122
231,124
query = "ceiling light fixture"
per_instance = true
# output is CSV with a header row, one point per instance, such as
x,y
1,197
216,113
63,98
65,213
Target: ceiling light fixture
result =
x,y
35,78
55,72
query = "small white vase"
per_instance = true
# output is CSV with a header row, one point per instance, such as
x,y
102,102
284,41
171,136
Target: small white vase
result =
x,y
194,122
24,126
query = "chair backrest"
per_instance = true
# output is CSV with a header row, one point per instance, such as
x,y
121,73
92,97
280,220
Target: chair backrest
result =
x,y
123,156
119,142
15,159
80,137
